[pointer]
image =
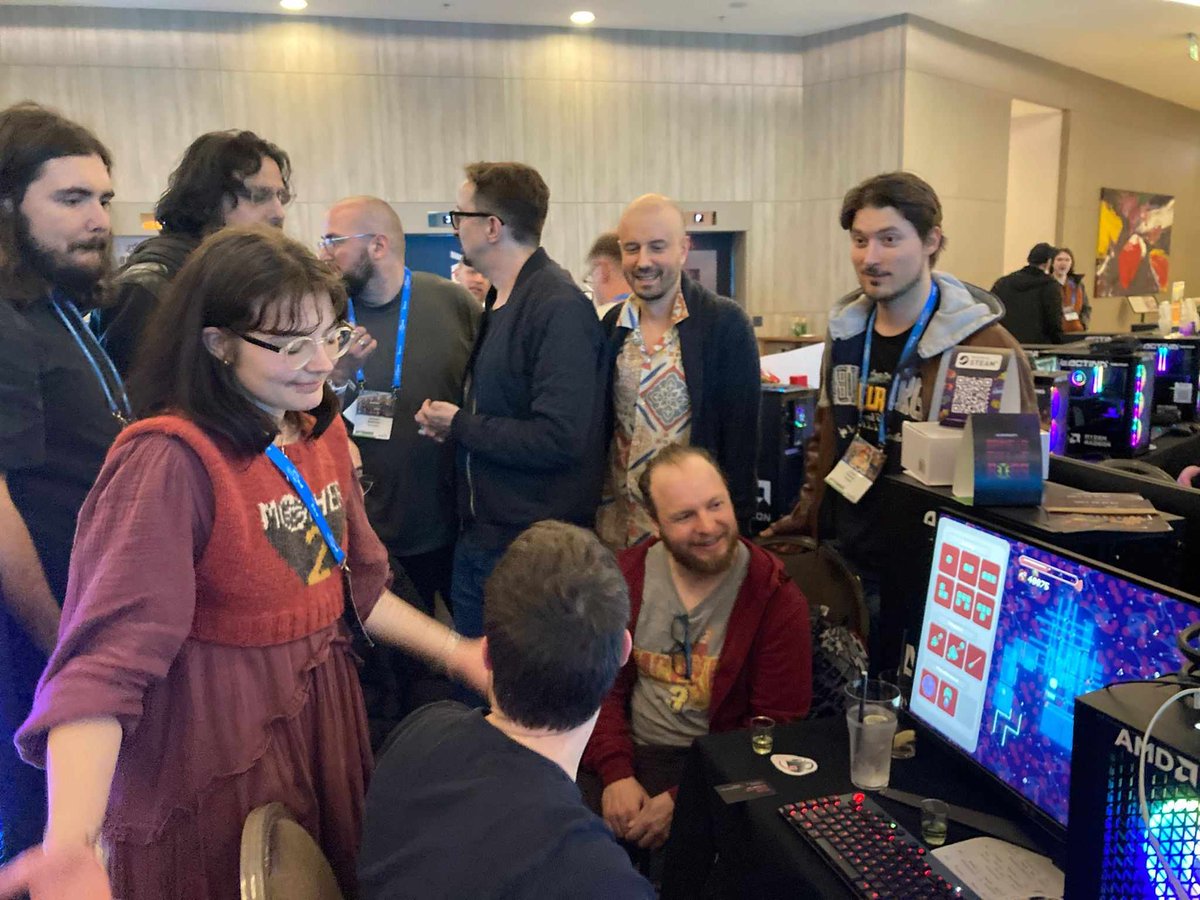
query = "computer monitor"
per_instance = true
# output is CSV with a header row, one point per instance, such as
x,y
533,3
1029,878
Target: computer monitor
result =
x,y
1012,633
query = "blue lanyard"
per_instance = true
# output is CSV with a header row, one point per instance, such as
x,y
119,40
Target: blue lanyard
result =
x,y
910,346
289,471
98,359
401,333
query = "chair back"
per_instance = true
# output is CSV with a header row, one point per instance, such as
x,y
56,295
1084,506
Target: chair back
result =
x,y
281,861
838,613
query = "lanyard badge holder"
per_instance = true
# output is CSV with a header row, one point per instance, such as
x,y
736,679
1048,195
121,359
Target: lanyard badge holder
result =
x,y
289,471
102,366
373,412
863,462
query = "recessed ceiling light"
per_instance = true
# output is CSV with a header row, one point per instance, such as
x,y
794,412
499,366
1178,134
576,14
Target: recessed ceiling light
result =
x,y
583,17
293,5
1186,2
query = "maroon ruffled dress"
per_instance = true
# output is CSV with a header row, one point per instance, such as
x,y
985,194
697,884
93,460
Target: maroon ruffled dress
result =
x,y
211,730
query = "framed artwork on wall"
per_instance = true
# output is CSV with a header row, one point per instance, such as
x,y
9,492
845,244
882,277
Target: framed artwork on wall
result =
x,y
1134,246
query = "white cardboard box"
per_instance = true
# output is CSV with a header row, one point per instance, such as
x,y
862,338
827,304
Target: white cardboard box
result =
x,y
927,452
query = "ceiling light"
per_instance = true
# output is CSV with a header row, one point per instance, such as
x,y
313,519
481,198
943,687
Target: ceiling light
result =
x,y
293,5
583,17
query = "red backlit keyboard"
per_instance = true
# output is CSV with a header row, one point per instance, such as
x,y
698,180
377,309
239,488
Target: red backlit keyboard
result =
x,y
874,855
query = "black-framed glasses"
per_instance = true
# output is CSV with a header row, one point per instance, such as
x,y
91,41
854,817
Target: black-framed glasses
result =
x,y
457,215
329,241
260,195
681,650
299,351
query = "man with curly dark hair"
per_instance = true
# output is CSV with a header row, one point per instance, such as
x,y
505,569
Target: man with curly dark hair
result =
x,y
224,178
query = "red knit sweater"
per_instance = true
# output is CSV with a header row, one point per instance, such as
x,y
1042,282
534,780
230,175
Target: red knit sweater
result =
x,y
266,576
765,667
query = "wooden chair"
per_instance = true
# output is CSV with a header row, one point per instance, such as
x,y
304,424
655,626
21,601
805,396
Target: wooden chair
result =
x,y
281,861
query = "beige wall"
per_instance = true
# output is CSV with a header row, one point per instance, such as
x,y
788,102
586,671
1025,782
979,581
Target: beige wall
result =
x,y
771,128
1034,155
958,91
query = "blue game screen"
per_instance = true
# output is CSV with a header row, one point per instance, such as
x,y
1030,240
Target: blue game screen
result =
x,y
1012,634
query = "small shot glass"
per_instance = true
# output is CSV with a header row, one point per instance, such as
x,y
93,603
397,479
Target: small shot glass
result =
x,y
934,815
762,734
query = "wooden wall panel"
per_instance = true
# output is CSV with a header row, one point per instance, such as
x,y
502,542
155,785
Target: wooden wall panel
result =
x,y
396,108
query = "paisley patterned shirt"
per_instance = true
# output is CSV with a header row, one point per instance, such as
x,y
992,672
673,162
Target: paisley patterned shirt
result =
x,y
652,410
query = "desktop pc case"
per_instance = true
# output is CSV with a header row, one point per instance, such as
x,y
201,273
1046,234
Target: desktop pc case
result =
x,y
1110,399
1176,374
1108,855
787,417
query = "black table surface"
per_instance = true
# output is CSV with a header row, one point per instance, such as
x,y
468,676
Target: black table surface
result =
x,y
759,853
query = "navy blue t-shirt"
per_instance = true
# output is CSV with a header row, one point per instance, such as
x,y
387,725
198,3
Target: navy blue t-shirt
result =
x,y
458,809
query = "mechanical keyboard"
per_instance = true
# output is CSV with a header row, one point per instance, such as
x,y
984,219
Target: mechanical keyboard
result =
x,y
874,855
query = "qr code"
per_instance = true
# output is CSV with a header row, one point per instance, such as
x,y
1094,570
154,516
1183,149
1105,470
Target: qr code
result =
x,y
971,395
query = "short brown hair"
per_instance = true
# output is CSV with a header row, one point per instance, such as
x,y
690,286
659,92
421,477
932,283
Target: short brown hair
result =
x,y
556,611
607,246
241,279
909,195
671,455
516,193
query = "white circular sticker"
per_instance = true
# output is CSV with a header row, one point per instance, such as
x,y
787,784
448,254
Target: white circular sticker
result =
x,y
793,765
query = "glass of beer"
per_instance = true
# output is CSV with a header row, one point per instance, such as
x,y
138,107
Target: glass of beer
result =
x,y
762,734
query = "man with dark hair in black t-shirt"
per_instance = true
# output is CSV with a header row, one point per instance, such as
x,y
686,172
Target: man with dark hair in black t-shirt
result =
x,y
464,804
885,343
60,405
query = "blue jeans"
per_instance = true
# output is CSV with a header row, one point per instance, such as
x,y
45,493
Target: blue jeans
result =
x,y
473,564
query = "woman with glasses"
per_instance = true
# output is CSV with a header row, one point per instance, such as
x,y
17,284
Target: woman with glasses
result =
x,y
204,664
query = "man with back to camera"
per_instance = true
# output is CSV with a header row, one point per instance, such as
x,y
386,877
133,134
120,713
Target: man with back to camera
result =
x,y
1032,299
411,498
605,275
897,326
224,178
685,371
720,635
61,405
464,273
530,433
464,804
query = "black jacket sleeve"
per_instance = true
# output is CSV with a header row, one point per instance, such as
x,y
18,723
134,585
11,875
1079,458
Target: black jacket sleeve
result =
x,y
1051,312
737,383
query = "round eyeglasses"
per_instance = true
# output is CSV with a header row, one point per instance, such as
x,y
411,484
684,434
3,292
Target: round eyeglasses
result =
x,y
260,195
329,241
299,351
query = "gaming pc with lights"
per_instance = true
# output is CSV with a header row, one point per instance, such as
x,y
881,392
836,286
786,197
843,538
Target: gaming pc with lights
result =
x,y
1176,374
1013,632
1111,398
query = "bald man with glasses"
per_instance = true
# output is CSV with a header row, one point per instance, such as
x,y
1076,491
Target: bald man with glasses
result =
x,y
413,333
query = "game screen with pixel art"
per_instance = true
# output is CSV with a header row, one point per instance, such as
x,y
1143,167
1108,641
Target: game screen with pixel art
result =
x,y
1012,634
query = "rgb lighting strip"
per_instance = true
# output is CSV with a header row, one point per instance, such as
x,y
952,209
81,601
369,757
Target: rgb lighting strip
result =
x,y
1136,429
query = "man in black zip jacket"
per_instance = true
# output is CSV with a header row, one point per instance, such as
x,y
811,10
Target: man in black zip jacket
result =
x,y
530,434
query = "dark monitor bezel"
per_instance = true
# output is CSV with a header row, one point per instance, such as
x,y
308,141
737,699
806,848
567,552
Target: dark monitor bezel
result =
x,y
1042,820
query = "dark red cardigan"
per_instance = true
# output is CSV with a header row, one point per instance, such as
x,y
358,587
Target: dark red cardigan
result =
x,y
765,667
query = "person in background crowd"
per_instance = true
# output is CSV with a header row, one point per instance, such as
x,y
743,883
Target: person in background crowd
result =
x,y
472,279
224,178
884,346
530,433
499,788
685,371
1032,300
61,406
1076,309
720,634
204,665
412,338
605,276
